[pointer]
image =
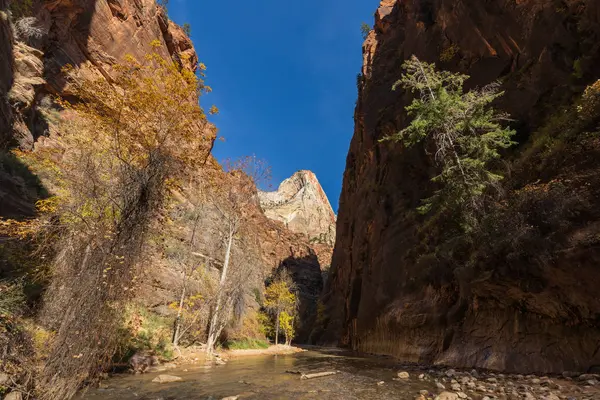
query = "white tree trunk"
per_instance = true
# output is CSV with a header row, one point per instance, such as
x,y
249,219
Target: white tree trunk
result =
x,y
277,328
176,333
214,328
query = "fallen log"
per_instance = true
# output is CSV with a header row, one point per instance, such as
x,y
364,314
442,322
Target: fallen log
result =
x,y
289,371
318,375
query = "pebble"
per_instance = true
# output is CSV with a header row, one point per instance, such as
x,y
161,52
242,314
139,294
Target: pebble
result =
x,y
403,375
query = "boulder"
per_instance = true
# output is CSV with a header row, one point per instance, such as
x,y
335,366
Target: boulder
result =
x,y
167,379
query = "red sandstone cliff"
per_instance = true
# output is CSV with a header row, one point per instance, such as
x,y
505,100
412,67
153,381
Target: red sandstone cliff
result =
x,y
92,36
520,294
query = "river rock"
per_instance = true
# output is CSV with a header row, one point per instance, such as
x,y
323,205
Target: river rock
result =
x,y
551,396
231,398
403,375
4,379
14,396
447,396
440,386
166,379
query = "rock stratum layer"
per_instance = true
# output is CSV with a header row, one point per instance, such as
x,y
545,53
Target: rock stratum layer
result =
x,y
301,204
520,294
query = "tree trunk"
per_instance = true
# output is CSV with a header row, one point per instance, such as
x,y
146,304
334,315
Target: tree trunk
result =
x,y
178,318
177,328
277,329
214,331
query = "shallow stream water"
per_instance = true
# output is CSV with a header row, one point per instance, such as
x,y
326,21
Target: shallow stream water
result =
x,y
266,377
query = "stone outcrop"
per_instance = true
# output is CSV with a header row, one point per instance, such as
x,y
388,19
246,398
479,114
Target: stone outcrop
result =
x,y
302,205
520,294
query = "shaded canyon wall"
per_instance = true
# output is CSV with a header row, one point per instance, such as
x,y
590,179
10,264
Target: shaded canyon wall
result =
x,y
521,293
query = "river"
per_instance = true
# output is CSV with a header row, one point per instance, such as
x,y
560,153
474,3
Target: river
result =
x,y
267,377
359,377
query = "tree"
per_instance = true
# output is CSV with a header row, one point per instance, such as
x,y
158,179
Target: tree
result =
x,y
286,321
232,203
188,310
187,28
123,141
464,130
365,29
281,302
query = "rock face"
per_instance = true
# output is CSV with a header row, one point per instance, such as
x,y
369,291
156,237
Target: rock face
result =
x,y
520,293
89,35
306,273
302,205
92,36
6,72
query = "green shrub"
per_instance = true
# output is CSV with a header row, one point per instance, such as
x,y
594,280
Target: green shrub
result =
x,y
12,298
21,8
246,343
144,330
365,29
449,52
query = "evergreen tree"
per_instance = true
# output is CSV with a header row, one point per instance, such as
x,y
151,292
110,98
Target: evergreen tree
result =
x,y
464,130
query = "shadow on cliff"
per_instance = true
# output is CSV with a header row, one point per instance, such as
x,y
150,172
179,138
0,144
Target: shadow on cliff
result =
x,y
308,277
6,75
67,42
19,187
21,124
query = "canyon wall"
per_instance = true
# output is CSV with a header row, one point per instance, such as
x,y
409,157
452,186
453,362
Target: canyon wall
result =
x,y
519,293
37,42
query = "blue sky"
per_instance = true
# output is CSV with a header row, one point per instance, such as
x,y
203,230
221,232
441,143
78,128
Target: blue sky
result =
x,y
283,76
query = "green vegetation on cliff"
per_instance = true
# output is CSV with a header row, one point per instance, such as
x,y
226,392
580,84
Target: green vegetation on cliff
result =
x,y
462,132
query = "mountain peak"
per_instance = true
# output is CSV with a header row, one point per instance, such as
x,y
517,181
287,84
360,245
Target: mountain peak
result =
x,y
302,205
